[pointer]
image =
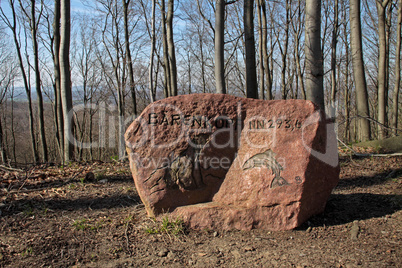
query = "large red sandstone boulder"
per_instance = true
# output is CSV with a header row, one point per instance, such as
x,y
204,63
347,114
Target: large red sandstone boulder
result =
x,y
253,164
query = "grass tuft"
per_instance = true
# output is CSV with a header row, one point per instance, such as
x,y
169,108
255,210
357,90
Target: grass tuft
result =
x,y
167,226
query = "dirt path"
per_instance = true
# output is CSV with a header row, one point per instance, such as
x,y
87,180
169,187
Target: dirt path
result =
x,y
52,217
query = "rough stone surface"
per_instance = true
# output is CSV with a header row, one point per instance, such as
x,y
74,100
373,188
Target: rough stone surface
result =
x,y
173,144
268,164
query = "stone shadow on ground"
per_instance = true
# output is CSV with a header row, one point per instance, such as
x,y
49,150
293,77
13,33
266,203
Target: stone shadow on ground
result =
x,y
37,205
346,208
30,205
32,184
365,181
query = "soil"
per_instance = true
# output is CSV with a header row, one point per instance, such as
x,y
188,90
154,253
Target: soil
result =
x,y
89,215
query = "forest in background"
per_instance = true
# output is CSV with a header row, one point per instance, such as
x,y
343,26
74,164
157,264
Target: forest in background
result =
x,y
112,58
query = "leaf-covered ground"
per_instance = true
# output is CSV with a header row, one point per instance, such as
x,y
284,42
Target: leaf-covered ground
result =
x,y
89,215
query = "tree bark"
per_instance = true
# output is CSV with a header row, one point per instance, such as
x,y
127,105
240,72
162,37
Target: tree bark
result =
x,y
120,81
3,150
41,123
128,55
314,64
382,68
166,66
220,46
358,71
284,52
56,63
299,69
171,49
151,57
346,90
397,70
266,65
12,125
251,74
204,83
260,51
297,28
333,56
65,79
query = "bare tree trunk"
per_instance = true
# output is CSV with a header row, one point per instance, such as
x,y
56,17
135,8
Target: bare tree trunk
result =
x,y
346,91
189,67
34,26
120,81
297,29
120,108
284,52
12,125
397,70
260,51
151,60
56,63
314,64
13,26
65,79
204,84
388,29
166,66
358,71
219,47
333,56
31,122
272,48
299,69
3,151
128,54
91,152
264,41
171,49
382,68
251,74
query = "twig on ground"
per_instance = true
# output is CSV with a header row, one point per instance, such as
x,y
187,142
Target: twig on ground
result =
x,y
391,174
127,239
378,155
25,180
344,144
10,169
78,173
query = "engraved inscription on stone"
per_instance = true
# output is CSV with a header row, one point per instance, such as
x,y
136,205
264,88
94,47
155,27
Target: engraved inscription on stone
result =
x,y
268,160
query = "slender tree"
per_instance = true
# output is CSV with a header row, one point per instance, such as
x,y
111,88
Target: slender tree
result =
x,y
251,74
56,86
382,67
65,79
298,30
397,70
264,44
33,25
358,71
314,64
260,52
166,65
129,59
219,47
171,49
334,43
346,73
284,51
151,61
